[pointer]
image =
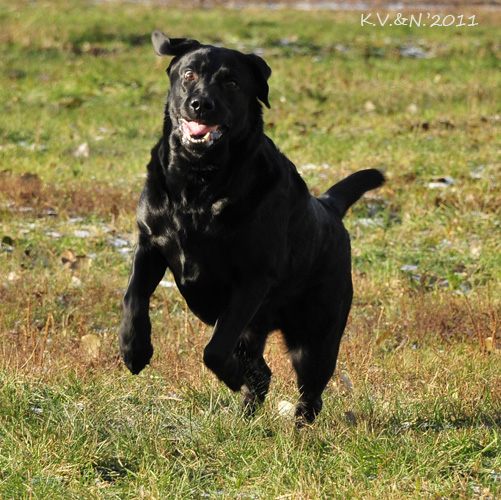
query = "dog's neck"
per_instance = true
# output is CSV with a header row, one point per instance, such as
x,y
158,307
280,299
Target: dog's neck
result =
x,y
219,174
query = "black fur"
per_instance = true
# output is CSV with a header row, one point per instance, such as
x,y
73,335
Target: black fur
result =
x,y
249,248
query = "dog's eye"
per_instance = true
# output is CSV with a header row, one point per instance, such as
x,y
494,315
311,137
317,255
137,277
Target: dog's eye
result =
x,y
189,75
231,84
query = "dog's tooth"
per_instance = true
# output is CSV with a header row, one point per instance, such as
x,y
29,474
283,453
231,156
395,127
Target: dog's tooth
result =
x,y
209,138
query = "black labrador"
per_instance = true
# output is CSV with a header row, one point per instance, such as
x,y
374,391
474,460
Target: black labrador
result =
x,y
250,249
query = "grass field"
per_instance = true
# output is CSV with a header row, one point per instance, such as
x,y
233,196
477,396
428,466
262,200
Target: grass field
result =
x,y
414,410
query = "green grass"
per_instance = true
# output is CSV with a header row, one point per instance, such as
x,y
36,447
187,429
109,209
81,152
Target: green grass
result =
x,y
109,435
423,416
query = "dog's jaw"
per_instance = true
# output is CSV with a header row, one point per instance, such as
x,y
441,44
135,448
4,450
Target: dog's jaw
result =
x,y
199,136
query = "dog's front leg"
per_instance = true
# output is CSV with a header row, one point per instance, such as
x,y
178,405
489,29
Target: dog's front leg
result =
x,y
219,354
148,268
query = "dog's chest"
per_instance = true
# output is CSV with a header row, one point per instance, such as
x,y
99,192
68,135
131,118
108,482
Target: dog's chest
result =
x,y
195,241
197,220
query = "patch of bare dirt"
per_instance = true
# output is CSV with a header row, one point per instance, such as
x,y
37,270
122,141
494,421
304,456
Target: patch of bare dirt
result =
x,y
27,193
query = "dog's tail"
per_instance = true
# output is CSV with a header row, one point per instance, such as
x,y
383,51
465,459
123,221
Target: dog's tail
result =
x,y
346,192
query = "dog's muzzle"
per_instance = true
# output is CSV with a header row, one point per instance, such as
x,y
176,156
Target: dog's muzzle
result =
x,y
199,134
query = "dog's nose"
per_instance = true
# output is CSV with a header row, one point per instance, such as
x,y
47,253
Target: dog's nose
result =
x,y
202,104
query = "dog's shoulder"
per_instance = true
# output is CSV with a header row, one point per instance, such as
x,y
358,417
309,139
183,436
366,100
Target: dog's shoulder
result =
x,y
155,186
152,202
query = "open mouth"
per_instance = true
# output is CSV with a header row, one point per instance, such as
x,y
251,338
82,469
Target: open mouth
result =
x,y
195,133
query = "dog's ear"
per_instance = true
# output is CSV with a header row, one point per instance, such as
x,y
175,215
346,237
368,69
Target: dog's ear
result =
x,y
261,72
164,46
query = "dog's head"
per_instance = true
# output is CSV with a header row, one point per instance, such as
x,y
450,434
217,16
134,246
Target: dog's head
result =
x,y
214,91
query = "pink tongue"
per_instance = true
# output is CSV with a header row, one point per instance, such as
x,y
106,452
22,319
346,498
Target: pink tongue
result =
x,y
196,128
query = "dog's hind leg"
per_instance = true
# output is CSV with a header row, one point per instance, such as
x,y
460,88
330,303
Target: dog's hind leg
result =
x,y
314,368
257,373
314,350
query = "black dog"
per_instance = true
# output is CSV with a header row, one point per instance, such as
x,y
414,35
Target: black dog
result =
x,y
250,249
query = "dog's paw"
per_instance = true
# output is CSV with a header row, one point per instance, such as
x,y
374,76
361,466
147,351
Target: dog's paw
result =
x,y
250,402
136,356
307,411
